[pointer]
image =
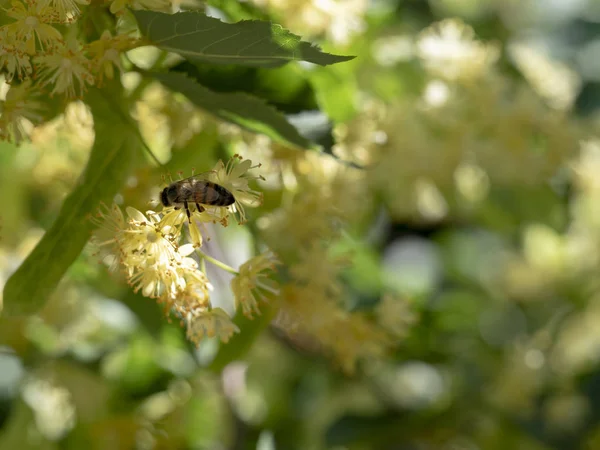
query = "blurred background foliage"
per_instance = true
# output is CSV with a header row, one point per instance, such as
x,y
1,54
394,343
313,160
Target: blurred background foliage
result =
x,y
458,191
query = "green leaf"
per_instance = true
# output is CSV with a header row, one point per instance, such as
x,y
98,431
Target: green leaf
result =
x,y
28,289
249,112
336,90
198,37
286,88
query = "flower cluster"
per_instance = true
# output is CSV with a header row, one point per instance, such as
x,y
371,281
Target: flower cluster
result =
x,y
158,262
322,199
339,20
38,49
436,155
449,50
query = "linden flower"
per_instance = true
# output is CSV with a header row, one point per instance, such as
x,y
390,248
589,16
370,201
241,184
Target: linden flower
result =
x,y
154,264
13,58
111,226
251,282
147,241
67,69
210,323
449,49
196,293
395,315
67,9
106,53
153,280
351,337
32,24
193,291
21,103
177,217
235,178
139,241
348,337
318,271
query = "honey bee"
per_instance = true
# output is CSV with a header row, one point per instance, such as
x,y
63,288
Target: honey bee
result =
x,y
195,190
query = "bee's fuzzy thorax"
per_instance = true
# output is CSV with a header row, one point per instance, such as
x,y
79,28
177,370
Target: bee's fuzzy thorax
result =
x,y
164,198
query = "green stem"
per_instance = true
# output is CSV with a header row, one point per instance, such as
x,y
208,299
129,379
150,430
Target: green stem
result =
x,y
203,266
216,262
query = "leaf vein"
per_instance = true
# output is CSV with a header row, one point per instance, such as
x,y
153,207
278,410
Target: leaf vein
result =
x,y
168,38
243,49
220,40
232,56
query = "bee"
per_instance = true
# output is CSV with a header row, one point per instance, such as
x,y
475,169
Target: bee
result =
x,y
195,190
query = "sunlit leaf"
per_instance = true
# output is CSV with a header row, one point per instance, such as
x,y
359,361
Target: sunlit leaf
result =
x,y
336,92
241,109
250,42
29,287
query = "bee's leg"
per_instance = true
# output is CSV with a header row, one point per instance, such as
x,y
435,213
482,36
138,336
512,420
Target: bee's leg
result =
x,y
199,208
187,211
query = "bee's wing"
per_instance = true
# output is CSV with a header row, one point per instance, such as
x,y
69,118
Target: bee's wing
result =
x,y
199,177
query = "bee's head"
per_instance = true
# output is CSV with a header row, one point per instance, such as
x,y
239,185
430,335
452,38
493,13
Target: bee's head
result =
x,y
164,197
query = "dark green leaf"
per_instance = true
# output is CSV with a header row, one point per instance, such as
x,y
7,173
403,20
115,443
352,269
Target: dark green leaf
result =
x,y
355,429
286,88
27,290
588,99
198,37
249,112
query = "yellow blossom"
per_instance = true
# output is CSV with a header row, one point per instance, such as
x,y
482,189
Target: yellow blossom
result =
x,y
210,323
144,248
289,226
106,53
347,337
394,314
340,20
351,337
147,241
21,103
357,141
67,9
13,58
32,25
252,281
67,69
193,292
318,270
153,280
111,225
449,49
235,177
